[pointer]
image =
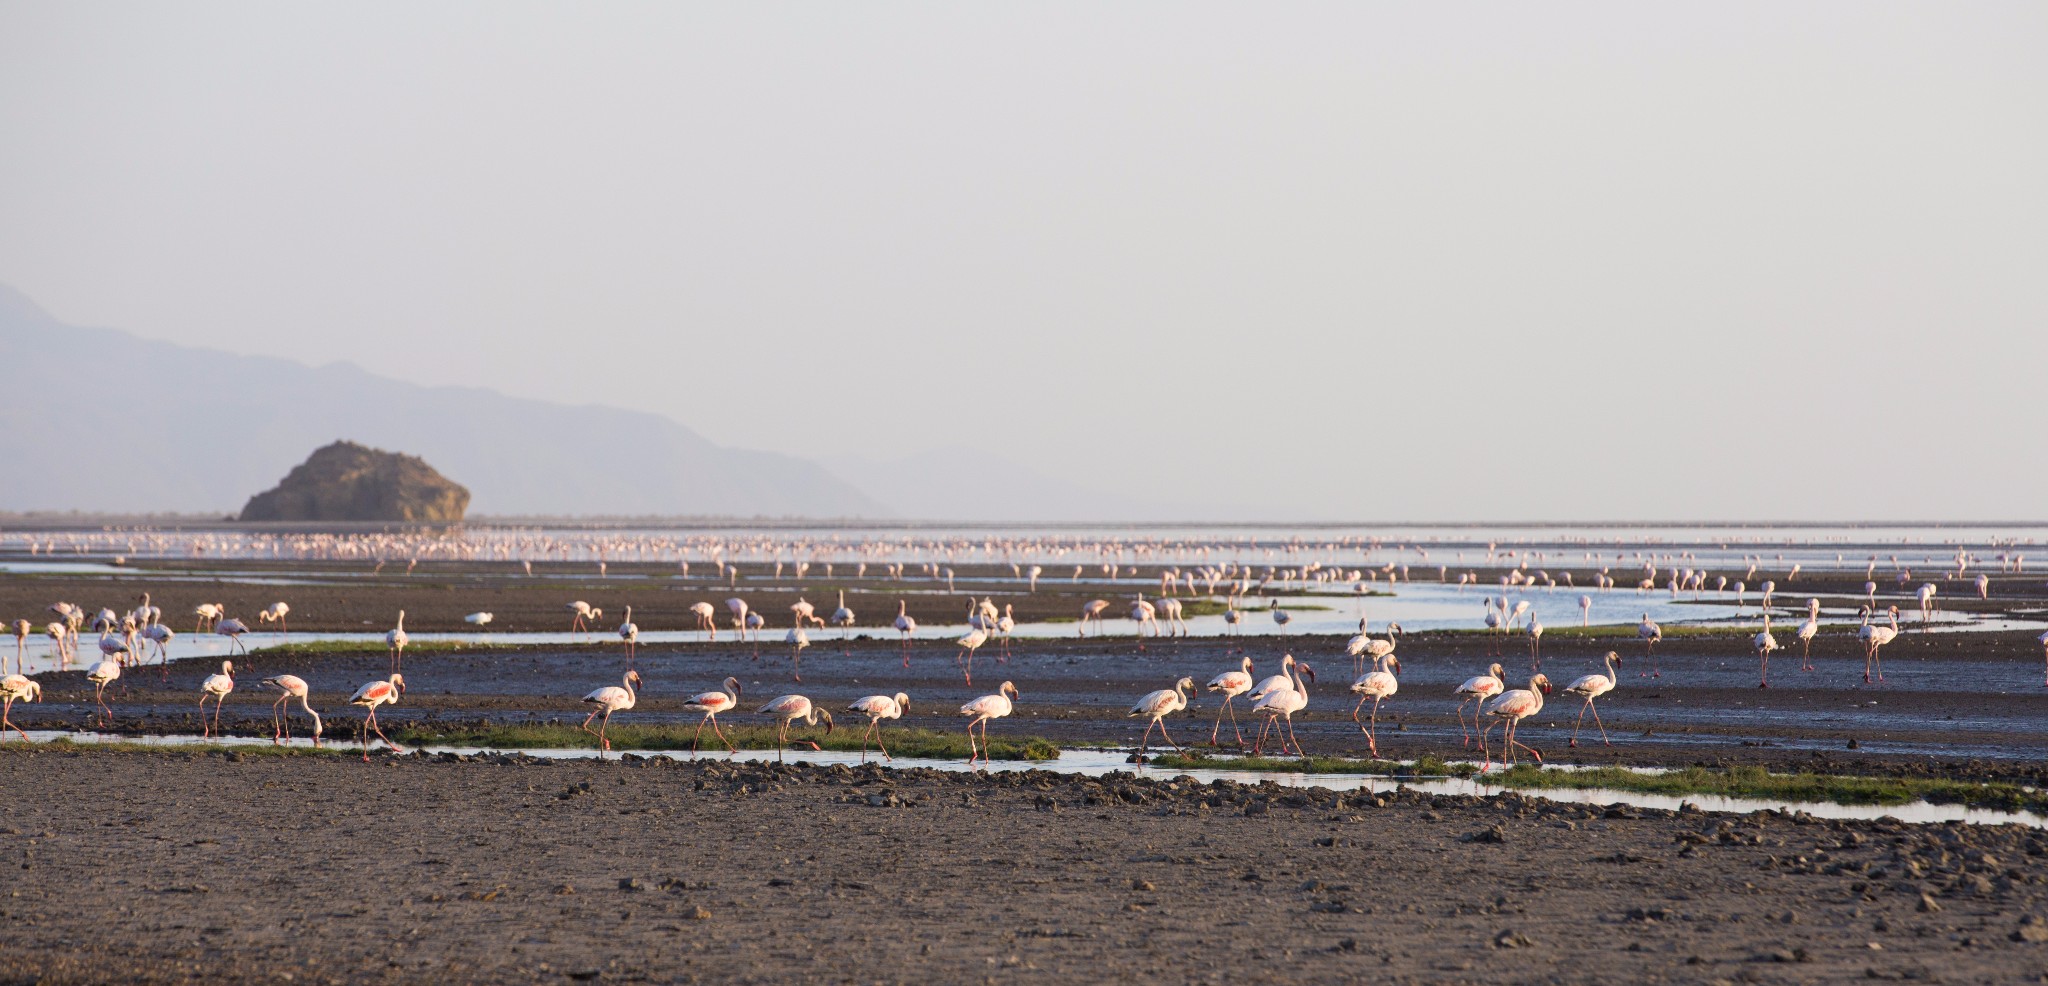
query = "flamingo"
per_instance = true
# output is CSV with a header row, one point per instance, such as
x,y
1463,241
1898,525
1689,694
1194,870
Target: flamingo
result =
x,y
878,708
754,622
1807,630
1593,686
146,614
232,629
981,710
580,615
1875,637
737,607
61,635
1927,602
609,699
843,619
114,648
17,688
395,641
1379,684
711,704
1511,708
1585,611
906,626
707,620
1649,633
804,612
1281,704
216,687
797,640
1535,632
1232,618
788,709
207,613
1171,610
1230,684
383,692
290,686
103,674
1764,644
275,613
630,633
479,619
1281,618
1478,688
21,628
1156,706
1092,611
1005,625
1277,682
969,643
1355,648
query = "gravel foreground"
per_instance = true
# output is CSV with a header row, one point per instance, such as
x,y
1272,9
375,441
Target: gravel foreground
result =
x,y
209,867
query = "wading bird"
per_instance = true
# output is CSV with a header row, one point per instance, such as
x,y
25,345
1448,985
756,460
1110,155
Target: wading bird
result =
x,y
629,632
788,709
969,643
711,704
1379,684
1649,633
1511,708
275,613
478,619
1763,643
1156,706
1807,630
1230,684
843,619
706,619
983,709
21,630
607,700
290,686
878,708
1593,686
103,674
1478,688
1875,637
207,613
395,641
580,616
232,629
1092,611
370,696
906,626
1279,705
797,640
216,687
17,688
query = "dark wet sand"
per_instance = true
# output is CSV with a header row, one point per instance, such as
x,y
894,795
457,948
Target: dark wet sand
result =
x,y
189,868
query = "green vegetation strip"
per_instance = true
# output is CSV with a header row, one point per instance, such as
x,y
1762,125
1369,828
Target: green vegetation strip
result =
x,y
1753,783
902,742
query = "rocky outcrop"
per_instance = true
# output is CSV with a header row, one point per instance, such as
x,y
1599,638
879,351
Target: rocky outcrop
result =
x,y
346,481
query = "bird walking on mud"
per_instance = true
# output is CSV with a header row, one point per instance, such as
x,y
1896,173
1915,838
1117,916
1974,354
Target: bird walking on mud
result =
x,y
290,686
17,688
711,704
1590,687
1478,688
788,709
1230,684
607,700
878,708
1510,709
1156,706
1379,684
216,687
373,694
983,709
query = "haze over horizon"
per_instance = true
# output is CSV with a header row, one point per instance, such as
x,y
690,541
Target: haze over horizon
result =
x,y
1584,261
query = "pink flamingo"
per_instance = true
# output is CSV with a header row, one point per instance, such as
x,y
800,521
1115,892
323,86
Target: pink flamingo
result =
x,y
372,695
878,708
1511,708
711,704
1593,686
788,709
1156,706
290,686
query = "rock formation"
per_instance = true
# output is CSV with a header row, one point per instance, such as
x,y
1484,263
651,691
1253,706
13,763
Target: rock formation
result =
x,y
346,481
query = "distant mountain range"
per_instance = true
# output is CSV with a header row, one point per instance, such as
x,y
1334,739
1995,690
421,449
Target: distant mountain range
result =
x,y
97,420
100,421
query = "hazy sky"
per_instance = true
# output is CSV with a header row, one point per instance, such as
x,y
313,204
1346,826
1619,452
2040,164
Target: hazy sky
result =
x,y
1345,261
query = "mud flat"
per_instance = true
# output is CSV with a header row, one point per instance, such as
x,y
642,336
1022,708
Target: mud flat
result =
x,y
211,867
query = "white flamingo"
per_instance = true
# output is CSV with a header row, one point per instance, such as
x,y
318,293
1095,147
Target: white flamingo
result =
x,y
1279,705
1479,688
1807,630
1875,637
17,688
906,626
607,700
1590,687
1379,684
706,618
216,687
103,674
983,709
787,709
878,708
395,641
1511,708
1230,684
1649,633
290,686
1156,706
711,704
1763,643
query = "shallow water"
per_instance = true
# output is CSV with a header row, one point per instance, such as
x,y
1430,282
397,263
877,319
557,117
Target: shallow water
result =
x,y
1098,762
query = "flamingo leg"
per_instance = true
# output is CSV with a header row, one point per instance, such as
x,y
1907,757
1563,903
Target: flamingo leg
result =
x,y
5,722
878,740
730,748
1464,734
1147,737
1581,722
395,748
1597,722
276,726
99,697
697,735
1163,734
603,742
1372,738
587,721
1298,751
